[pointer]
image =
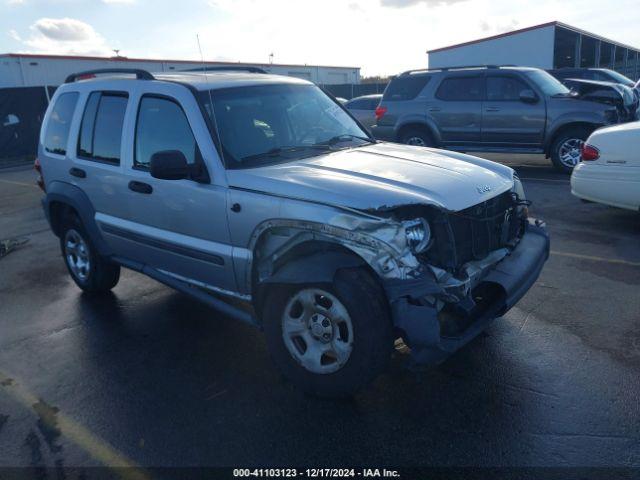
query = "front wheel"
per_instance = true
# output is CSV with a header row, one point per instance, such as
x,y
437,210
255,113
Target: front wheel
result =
x,y
566,149
329,340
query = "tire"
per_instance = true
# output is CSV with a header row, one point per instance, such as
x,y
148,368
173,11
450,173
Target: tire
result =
x,y
78,251
417,137
371,333
560,158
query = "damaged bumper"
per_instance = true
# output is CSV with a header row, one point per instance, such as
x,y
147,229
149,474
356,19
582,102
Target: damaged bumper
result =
x,y
427,328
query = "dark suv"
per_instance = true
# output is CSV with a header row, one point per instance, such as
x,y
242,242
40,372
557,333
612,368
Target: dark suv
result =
x,y
490,109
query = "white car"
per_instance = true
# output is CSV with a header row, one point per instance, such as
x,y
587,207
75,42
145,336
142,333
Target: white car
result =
x,y
609,172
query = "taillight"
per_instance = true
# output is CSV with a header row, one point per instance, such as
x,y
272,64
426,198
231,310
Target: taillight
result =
x,y
380,111
40,178
589,152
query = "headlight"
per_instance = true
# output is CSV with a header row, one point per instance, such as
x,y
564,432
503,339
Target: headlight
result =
x,y
518,189
418,234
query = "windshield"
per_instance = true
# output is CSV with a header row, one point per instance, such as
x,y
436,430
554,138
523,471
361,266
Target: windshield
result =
x,y
549,84
276,123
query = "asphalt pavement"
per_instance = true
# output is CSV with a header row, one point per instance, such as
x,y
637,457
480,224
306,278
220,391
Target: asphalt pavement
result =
x,y
149,377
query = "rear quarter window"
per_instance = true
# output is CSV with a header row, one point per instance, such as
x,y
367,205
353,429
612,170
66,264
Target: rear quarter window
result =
x,y
56,134
405,88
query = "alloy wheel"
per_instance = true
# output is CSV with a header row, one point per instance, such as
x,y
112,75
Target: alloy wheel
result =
x,y
569,152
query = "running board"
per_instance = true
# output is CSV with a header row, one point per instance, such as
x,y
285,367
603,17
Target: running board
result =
x,y
194,292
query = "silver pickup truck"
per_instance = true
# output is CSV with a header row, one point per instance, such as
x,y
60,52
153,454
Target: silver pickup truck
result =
x,y
264,198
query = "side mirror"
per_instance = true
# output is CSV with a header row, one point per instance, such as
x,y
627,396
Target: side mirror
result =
x,y
169,165
528,96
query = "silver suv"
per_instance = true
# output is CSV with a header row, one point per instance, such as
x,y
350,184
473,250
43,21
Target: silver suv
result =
x,y
489,109
262,197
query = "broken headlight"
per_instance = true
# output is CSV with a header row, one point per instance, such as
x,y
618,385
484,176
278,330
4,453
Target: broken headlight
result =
x,y
418,234
523,204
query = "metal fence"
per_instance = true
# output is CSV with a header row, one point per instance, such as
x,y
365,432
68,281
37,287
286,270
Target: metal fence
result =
x,y
351,90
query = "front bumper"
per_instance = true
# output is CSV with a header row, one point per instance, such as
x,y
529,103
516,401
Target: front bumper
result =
x,y
509,280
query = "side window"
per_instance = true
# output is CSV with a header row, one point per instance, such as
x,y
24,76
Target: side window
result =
x,y
360,104
101,130
57,133
373,103
162,125
405,87
461,89
602,77
505,88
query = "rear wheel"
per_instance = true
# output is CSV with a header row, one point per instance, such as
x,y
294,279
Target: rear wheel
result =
x,y
90,271
329,340
566,149
416,137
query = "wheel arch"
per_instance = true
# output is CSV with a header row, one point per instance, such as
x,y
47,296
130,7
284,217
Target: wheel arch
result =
x,y
561,129
421,124
63,199
311,261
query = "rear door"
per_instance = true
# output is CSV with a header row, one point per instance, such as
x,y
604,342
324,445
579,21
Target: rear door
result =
x,y
457,108
506,119
97,151
364,110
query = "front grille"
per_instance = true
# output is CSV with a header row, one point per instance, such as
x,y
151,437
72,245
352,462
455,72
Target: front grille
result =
x,y
473,233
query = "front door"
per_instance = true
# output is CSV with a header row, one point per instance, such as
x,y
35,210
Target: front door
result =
x,y
176,226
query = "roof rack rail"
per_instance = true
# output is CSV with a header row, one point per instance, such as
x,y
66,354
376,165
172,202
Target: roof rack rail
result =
x,y
457,67
140,74
227,68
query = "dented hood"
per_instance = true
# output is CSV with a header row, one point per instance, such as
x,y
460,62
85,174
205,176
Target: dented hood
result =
x,y
381,176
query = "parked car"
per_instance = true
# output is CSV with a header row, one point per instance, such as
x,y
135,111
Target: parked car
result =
x,y
624,98
490,109
610,169
598,74
261,196
342,100
364,108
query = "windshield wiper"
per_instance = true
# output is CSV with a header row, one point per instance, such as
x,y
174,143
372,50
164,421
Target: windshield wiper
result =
x,y
274,152
345,137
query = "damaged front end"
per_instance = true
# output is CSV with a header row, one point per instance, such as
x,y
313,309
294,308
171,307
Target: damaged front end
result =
x,y
481,261
446,274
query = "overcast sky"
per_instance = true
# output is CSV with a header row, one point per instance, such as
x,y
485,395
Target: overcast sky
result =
x,y
381,36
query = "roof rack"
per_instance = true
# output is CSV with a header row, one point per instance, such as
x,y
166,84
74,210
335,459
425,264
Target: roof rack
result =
x,y
140,74
457,67
227,68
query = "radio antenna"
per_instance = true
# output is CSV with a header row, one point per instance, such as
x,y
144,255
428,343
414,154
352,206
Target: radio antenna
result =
x,y
212,113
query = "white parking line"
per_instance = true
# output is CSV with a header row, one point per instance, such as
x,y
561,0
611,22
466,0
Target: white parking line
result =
x,y
33,185
595,259
90,443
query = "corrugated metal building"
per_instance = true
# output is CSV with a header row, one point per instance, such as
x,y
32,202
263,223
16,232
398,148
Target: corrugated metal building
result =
x,y
550,45
27,70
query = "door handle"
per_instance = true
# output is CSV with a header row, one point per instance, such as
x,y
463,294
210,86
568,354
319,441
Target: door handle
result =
x,y
434,109
492,109
77,172
140,187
